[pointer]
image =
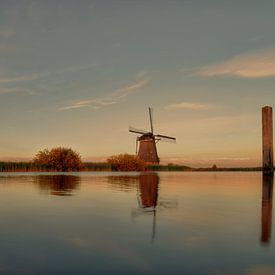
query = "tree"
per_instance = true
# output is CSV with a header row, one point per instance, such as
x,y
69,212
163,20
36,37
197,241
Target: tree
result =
x,y
60,159
126,162
214,167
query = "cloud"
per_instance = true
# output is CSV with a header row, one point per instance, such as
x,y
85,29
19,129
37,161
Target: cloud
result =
x,y
188,106
19,78
112,98
95,104
5,79
252,65
125,91
76,106
35,76
10,90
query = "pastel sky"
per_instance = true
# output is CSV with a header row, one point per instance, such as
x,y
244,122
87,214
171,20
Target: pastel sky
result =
x,y
79,73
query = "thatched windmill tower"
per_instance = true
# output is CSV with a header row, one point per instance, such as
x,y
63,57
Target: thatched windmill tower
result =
x,y
146,147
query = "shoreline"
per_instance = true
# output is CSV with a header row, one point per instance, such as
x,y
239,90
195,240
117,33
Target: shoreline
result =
x,y
9,167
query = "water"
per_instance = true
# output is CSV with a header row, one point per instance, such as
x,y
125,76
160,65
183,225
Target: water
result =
x,y
111,223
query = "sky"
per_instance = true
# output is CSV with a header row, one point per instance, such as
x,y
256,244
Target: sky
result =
x,y
79,73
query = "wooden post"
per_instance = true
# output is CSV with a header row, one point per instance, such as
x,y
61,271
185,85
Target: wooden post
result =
x,y
267,128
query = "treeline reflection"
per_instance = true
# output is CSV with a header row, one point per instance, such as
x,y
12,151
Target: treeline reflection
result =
x,y
123,183
58,185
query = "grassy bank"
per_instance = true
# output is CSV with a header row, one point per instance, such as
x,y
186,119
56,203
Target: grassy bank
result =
x,y
33,167
233,169
172,167
23,167
103,166
87,166
97,166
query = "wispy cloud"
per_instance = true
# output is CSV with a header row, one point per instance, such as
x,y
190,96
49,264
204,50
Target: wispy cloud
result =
x,y
94,104
19,78
252,65
110,99
125,91
10,90
35,76
188,106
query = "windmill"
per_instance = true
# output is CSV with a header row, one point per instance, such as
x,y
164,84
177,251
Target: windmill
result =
x,y
146,147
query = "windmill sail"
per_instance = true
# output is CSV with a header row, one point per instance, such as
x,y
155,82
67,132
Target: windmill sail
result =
x,y
137,131
165,138
151,119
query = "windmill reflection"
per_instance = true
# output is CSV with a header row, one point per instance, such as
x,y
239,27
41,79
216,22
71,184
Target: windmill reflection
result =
x,y
148,188
267,195
148,197
149,202
58,185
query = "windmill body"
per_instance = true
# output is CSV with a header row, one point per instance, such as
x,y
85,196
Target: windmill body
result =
x,y
147,150
146,147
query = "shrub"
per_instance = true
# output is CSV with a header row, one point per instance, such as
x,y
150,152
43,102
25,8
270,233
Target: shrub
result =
x,y
60,159
126,162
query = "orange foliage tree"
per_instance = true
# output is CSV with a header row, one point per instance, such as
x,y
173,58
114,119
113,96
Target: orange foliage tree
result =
x,y
126,162
60,159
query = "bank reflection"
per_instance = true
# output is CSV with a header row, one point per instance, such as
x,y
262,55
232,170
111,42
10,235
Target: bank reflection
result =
x,y
58,185
267,195
123,183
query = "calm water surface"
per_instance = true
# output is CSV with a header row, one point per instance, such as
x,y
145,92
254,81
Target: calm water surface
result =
x,y
111,223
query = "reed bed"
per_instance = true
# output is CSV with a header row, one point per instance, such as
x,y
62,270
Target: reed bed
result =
x,y
35,167
104,166
24,167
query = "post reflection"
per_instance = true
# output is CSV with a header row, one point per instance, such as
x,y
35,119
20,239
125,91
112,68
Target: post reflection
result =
x,y
58,185
267,195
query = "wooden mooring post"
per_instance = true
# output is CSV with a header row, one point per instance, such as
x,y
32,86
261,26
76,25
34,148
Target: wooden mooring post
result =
x,y
267,131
